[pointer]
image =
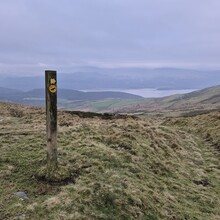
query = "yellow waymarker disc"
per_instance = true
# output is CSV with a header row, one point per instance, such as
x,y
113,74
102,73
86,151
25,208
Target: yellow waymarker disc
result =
x,y
52,88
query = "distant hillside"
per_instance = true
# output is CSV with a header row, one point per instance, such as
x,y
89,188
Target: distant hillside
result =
x,y
194,102
209,95
6,91
65,96
197,102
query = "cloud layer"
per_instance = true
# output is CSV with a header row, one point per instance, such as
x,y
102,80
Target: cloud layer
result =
x,y
57,34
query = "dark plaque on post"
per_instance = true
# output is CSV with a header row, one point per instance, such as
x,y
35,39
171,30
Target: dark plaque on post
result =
x,y
51,117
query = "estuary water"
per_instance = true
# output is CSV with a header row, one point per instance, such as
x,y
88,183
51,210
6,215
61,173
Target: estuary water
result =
x,y
148,93
155,93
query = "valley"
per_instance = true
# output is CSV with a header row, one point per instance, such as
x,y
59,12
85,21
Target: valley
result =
x,y
192,103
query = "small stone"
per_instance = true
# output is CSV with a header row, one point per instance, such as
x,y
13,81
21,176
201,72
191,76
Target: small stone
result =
x,y
21,217
22,195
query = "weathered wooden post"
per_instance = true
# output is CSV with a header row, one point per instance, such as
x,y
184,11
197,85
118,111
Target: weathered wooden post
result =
x,y
52,172
51,124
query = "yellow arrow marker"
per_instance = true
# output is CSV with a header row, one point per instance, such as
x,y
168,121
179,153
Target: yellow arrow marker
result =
x,y
52,81
52,88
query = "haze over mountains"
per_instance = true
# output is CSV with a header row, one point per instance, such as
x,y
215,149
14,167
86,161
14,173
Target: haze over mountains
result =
x,y
180,104
29,89
92,78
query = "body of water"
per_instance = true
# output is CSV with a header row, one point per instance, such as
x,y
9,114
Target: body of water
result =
x,y
148,93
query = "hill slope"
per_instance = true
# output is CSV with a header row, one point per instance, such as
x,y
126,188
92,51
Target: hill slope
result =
x,y
123,167
200,101
66,97
186,104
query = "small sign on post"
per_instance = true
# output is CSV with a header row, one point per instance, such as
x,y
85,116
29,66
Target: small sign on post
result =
x,y
51,117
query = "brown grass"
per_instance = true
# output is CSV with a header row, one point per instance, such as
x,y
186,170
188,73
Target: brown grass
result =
x,y
124,167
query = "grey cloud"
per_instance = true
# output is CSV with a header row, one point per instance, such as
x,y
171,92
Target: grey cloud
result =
x,y
60,33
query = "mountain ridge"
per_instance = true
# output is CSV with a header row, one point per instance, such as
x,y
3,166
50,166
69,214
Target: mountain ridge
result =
x,y
89,78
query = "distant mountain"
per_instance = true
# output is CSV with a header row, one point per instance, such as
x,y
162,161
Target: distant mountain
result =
x,y
36,96
11,95
6,91
91,78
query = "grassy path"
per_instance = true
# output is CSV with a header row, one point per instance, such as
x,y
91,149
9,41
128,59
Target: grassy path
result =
x,y
125,168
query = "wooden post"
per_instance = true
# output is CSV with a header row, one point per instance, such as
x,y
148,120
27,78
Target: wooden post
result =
x,y
51,124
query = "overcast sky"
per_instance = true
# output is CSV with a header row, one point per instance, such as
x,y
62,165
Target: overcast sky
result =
x,y
53,34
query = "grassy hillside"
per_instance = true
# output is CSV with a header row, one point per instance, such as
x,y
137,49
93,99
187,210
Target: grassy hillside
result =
x,y
200,101
66,97
176,105
122,167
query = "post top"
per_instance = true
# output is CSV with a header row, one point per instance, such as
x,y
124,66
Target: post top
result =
x,y
50,70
